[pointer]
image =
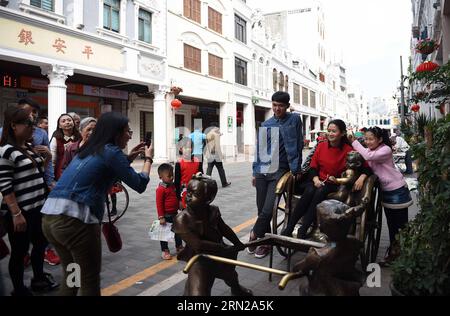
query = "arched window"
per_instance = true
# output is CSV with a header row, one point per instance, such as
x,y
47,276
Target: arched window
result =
x,y
275,79
286,84
281,81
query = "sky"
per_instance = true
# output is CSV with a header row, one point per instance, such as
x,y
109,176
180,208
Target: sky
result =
x,y
370,35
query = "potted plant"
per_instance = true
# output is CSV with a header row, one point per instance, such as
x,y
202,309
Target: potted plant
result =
x,y
426,46
423,267
176,90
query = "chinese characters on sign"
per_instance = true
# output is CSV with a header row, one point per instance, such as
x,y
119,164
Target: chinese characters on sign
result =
x,y
25,37
60,45
8,81
88,51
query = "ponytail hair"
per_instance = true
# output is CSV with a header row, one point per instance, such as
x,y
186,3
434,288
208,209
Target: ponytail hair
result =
x,y
381,134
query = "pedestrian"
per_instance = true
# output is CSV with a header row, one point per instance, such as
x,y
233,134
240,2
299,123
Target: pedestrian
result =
x,y
329,160
213,153
198,140
43,123
76,120
285,140
87,127
167,205
75,207
402,146
396,197
186,167
65,134
23,187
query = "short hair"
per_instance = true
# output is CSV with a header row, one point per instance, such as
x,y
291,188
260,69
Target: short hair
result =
x,y
164,167
25,101
281,97
41,118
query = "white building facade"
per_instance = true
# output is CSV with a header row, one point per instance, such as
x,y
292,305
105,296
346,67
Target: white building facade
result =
x,y
89,57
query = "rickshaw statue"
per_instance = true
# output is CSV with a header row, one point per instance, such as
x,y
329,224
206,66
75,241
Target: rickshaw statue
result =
x,y
330,270
201,226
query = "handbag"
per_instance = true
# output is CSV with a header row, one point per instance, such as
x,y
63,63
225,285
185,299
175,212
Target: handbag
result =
x,y
111,233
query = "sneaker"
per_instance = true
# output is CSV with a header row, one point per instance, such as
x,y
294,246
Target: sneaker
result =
x,y
48,283
166,255
51,257
179,249
226,185
26,260
262,251
251,250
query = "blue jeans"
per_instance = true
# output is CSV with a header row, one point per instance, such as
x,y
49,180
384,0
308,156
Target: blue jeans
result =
x,y
265,198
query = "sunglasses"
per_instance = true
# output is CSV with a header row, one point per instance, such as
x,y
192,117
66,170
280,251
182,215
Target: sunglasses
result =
x,y
27,122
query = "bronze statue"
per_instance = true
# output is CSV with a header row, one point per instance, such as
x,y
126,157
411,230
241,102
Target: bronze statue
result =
x,y
331,270
349,177
201,226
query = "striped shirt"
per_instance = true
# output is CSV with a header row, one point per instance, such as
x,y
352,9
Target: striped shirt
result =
x,y
19,175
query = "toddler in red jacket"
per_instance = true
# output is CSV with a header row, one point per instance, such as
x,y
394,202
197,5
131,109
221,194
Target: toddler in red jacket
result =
x,y
167,206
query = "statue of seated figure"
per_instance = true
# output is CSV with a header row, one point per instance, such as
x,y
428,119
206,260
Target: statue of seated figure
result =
x,y
354,163
201,226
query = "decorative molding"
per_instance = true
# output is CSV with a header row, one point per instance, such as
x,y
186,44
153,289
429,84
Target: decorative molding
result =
x,y
57,74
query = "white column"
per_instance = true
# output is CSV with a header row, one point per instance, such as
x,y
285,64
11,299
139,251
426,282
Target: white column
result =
x,y
249,128
160,117
308,128
57,92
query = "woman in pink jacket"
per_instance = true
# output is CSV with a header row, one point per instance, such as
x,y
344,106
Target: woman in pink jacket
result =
x,y
396,196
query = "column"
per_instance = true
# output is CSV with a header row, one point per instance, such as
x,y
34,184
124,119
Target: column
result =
x,y
308,128
249,128
57,92
160,118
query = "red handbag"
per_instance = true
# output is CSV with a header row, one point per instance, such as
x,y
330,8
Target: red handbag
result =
x,y
111,233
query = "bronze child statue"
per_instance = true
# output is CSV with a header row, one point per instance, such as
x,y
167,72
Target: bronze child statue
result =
x,y
201,226
354,163
331,270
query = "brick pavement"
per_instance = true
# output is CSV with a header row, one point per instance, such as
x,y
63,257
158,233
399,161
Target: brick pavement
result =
x,y
237,204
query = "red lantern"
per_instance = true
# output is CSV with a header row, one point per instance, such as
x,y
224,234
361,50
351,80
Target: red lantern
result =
x,y
427,66
415,108
176,104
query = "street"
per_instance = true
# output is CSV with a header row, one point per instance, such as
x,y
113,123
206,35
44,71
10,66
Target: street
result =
x,y
139,270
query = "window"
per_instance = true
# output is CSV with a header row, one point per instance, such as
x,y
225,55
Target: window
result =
x,y
192,10
281,82
305,96
215,20
192,58
296,93
260,83
145,26
215,66
111,15
275,79
240,67
240,29
313,99
43,4
286,85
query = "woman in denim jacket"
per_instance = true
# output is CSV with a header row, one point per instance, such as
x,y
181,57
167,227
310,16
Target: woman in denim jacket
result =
x,y
75,207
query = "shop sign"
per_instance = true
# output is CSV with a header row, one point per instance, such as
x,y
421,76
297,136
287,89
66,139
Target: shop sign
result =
x,y
8,81
105,92
39,41
230,124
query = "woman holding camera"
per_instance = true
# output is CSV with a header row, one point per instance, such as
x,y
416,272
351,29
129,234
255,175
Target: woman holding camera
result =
x,y
75,207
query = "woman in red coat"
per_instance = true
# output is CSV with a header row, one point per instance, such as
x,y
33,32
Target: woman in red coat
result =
x,y
329,160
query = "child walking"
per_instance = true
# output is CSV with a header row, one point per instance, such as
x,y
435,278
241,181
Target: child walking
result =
x,y
396,197
167,206
186,167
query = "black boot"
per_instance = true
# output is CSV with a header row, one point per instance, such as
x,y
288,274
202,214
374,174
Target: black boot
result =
x,y
47,283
